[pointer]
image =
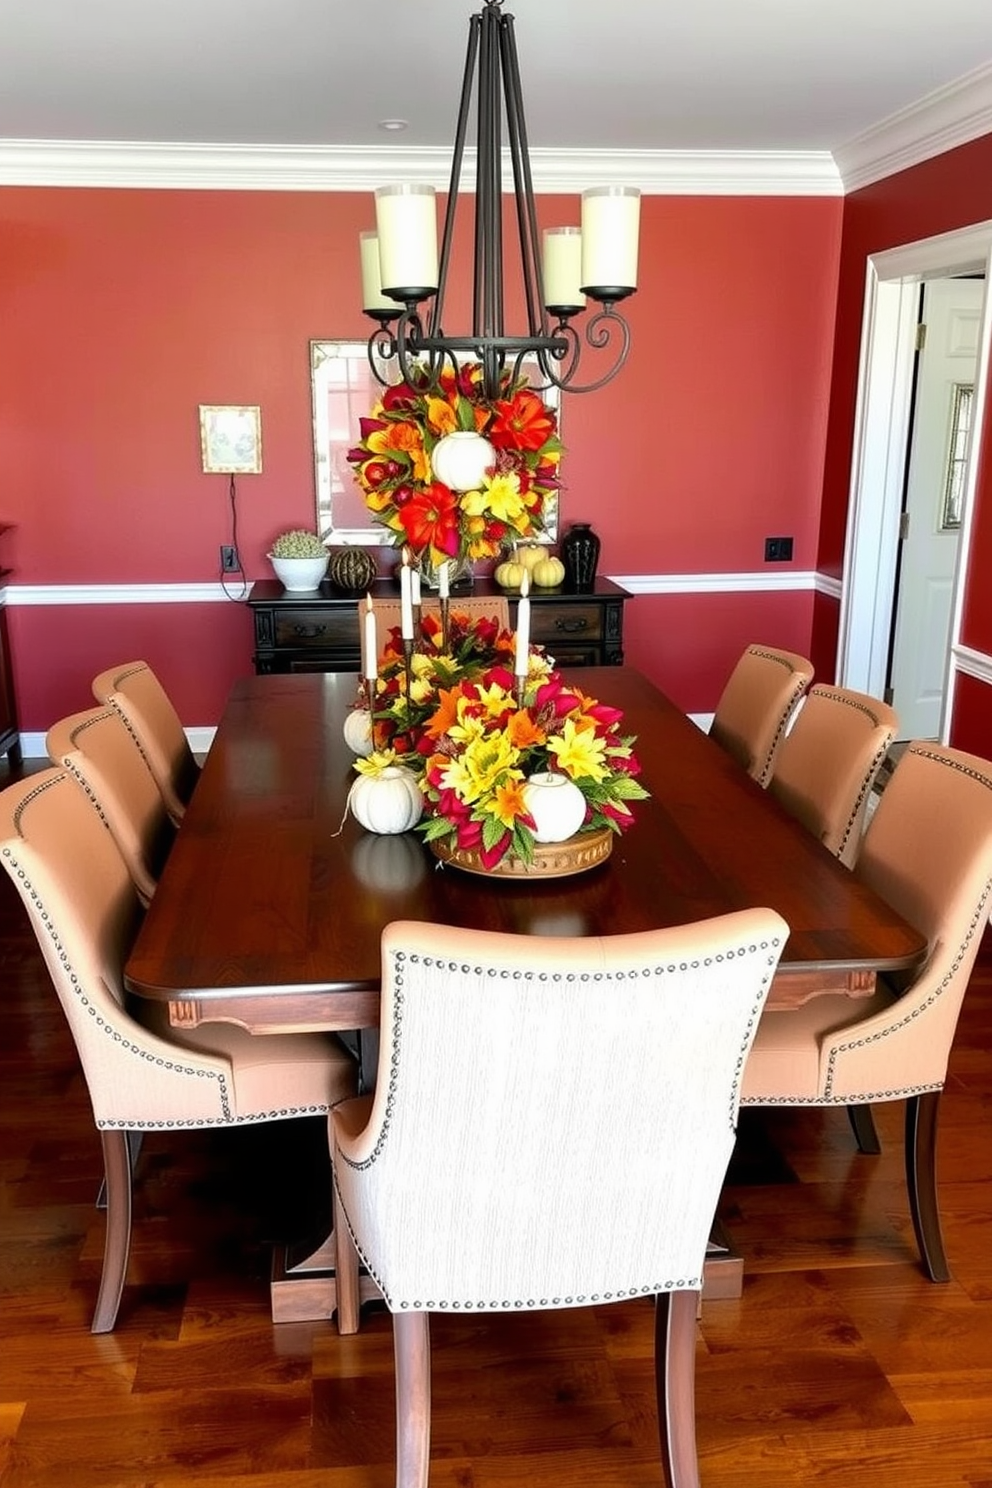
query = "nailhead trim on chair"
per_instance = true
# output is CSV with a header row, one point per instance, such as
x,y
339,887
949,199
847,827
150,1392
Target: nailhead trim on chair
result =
x,y
222,1086
978,921
797,693
874,766
691,1283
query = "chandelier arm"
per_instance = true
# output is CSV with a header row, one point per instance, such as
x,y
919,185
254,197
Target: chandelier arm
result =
x,y
523,185
488,307
381,348
599,332
461,129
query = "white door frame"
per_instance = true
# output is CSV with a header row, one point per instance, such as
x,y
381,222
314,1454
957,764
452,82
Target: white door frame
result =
x,y
881,436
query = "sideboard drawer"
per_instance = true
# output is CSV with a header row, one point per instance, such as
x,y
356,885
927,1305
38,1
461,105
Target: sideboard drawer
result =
x,y
321,628
574,623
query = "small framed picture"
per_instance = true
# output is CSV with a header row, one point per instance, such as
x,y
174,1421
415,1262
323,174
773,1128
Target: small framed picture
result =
x,y
231,440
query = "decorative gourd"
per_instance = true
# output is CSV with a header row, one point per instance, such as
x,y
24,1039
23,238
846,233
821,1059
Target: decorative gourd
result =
x,y
549,572
358,731
352,569
460,460
556,804
387,802
529,554
508,574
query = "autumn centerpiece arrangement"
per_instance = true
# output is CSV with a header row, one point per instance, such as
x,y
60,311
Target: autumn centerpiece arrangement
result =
x,y
505,499
505,763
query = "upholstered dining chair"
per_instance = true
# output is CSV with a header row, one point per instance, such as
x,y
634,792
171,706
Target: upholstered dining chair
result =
x,y
387,611
928,852
756,704
140,1074
97,749
828,761
551,1126
133,690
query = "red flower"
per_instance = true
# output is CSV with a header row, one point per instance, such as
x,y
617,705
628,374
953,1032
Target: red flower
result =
x,y
521,422
430,519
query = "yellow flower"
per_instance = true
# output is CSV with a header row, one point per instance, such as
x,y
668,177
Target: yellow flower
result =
x,y
377,762
485,763
441,417
507,800
499,496
579,753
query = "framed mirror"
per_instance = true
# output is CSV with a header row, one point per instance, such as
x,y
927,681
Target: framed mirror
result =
x,y
344,391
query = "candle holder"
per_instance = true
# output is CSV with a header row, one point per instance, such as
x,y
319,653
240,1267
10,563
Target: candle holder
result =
x,y
519,690
445,616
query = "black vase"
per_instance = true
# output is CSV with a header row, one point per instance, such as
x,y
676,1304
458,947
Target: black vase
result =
x,y
580,555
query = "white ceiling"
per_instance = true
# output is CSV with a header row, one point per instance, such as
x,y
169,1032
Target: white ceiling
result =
x,y
709,75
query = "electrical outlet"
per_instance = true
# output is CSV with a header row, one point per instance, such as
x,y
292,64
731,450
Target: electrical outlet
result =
x,y
229,559
778,549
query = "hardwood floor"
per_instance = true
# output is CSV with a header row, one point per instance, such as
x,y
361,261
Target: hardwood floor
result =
x,y
840,1364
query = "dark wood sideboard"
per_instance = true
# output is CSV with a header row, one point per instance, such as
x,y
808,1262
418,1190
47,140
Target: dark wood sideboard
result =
x,y
318,632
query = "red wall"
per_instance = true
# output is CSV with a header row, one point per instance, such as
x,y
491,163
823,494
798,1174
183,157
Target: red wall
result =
x,y
949,192
125,309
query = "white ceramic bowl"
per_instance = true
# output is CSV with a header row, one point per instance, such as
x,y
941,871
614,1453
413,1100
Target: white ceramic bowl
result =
x,y
300,575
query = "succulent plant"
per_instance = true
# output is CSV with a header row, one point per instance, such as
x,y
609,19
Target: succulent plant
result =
x,y
299,543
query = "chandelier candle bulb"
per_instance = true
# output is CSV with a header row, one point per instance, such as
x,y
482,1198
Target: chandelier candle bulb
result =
x,y
406,224
610,227
373,299
522,651
562,268
371,646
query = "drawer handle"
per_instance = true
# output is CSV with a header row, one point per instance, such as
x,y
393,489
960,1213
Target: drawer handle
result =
x,y
308,632
571,626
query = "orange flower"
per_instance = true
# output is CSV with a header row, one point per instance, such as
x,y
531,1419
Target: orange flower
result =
x,y
521,422
446,715
523,730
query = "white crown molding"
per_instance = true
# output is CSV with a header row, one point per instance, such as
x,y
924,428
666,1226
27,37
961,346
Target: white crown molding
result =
x,y
952,115
328,168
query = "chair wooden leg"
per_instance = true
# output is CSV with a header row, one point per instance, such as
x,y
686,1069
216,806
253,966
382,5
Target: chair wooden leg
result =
x,y
134,1141
921,1180
412,1348
863,1126
117,1242
675,1377
346,1278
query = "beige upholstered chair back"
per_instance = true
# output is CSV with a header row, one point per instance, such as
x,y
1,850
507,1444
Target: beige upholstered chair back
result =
x,y
928,852
133,690
827,762
387,612
99,751
756,705
553,1117
85,912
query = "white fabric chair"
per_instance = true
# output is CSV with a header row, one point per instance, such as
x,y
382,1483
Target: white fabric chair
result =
x,y
133,690
140,1074
828,761
97,749
756,704
928,852
551,1126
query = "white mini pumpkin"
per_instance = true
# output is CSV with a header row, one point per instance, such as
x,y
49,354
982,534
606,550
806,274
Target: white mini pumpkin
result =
x,y
556,804
387,802
358,731
460,460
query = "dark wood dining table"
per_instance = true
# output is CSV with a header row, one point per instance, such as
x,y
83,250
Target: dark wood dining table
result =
x,y
271,906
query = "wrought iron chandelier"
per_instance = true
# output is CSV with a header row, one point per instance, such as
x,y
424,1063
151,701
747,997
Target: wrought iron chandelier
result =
x,y
400,263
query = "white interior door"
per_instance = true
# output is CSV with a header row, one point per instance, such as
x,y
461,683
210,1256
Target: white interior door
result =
x,y
952,311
